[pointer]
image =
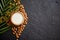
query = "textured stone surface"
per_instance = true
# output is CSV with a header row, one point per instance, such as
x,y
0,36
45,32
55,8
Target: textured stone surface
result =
x,y
44,21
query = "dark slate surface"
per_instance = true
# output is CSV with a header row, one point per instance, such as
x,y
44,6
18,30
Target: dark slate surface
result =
x,y
44,21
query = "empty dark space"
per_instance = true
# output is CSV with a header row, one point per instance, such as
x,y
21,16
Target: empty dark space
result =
x,y
43,23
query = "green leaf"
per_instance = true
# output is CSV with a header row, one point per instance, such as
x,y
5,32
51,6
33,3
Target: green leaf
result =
x,y
5,29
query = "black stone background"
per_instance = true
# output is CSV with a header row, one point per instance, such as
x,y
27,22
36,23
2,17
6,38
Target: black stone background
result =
x,y
44,21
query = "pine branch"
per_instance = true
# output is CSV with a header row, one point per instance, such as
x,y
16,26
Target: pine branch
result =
x,y
5,7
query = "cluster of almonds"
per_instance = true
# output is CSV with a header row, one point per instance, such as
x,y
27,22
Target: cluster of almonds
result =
x,y
17,30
